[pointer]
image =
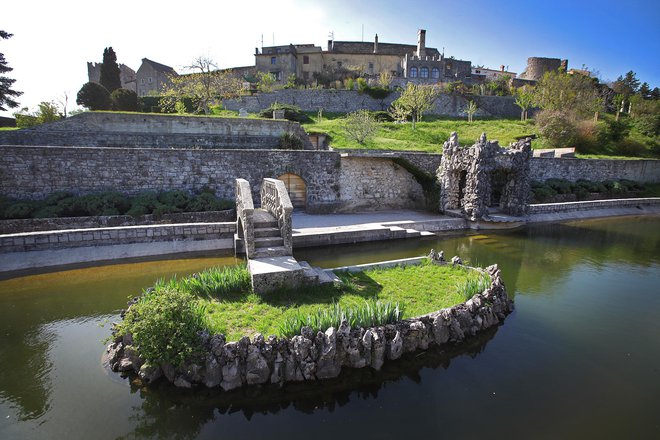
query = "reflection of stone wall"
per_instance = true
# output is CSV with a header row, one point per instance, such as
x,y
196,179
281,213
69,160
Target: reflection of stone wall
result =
x,y
316,356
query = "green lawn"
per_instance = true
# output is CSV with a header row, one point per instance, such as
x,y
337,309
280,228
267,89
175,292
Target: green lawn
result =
x,y
232,309
428,135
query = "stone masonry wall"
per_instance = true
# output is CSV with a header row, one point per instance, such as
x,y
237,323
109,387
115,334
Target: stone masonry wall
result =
x,y
101,129
596,170
49,240
35,172
345,101
378,183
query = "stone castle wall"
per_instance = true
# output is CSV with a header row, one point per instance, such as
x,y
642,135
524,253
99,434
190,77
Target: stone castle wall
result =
x,y
345,101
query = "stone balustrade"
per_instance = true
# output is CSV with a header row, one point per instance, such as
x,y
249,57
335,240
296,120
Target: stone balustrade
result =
x,y
245,215
275,199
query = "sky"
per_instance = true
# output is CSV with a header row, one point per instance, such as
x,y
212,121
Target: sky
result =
x,y
53,41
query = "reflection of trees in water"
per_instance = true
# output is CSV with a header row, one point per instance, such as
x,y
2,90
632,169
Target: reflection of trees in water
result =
x,y
168,412
26,381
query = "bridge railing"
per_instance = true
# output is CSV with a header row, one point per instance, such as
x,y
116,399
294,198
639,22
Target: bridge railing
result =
x,y
275,199
245,215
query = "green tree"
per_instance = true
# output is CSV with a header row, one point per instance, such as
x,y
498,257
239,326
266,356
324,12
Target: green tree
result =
x,y
645,90
125,100
524,99
204,86
266,82
110,71
93,96
626,85
417,99
47,112
470,110
360,126
574,95
7,94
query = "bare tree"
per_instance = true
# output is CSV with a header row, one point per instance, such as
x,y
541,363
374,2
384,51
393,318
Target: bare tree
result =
x,y
205,85
360,126
417,99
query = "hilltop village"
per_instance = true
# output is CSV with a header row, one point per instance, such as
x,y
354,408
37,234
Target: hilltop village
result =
x,y
310,64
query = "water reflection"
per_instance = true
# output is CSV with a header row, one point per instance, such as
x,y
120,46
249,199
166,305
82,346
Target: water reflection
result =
x,y
584,340
168,412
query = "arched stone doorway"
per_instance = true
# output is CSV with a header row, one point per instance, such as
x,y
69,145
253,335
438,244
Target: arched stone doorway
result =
x,y
297,189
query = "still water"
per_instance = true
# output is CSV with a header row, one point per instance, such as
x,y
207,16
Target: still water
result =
x,y
578,358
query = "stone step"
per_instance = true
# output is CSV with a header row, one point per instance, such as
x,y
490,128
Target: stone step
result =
x,y
273,251
264,242
271,272
311,275
265,224
267,232
264,219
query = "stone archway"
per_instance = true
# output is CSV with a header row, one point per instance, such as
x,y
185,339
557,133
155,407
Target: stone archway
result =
x,y
297,189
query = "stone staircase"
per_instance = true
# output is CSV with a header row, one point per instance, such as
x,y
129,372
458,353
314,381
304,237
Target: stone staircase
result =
x,y
268,241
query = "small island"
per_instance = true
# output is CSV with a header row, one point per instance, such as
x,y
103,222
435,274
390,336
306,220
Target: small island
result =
x,y
207,329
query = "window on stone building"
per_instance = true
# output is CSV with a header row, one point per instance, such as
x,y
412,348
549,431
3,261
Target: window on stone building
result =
x,y
273,60
413,72
371,66
339,63
424,72
435,73
149,80
305,59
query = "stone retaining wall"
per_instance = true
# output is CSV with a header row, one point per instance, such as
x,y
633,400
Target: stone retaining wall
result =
x,y
545,208
36,172
370,182
74,238
102,129
345,101
310,356
596,170
53,224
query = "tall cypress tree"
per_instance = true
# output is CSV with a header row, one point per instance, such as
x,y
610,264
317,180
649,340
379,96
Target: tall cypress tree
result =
x,y
110,71
6,92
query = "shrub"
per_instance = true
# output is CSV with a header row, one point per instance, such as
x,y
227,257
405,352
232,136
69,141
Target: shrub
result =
x,y
18,210
382,116
377,92
175,201
360,126
362,85
165,325
629,147
562,186
588,139
648,125
94,97
125,100
213,282
289,141
557,128
291,112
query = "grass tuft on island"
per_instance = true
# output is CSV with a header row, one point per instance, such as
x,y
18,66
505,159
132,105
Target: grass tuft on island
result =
x,y
167,318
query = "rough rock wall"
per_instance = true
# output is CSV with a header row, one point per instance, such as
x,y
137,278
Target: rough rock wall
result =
x,y
377,183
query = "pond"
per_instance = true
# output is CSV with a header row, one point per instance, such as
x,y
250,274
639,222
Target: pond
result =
x,y
578,358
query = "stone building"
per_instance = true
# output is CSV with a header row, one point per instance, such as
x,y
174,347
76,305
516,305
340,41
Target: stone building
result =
x,y
415,62
152,76
126,75
538,66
